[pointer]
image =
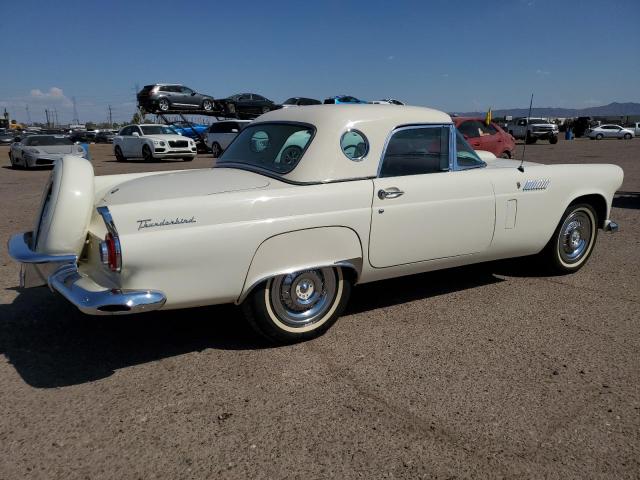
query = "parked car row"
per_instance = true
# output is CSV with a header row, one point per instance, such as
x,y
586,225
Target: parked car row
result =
x,y
167,98
610,131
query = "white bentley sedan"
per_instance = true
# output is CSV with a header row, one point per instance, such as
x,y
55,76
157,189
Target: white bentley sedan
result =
x,y
150,142
304,204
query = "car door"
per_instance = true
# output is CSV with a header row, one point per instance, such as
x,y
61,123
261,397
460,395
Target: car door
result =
x,y
426,204
135,142
189,97
124,141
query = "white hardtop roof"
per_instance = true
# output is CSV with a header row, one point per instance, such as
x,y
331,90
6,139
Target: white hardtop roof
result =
x,y
324,160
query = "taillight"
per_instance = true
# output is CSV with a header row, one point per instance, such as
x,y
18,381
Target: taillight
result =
x,y
110,252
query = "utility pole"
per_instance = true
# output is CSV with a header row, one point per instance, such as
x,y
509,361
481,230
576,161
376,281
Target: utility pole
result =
x,y
110,118
46,114
28,115
55,117
76,120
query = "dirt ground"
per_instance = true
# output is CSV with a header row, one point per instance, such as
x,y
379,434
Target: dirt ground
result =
x,y
489,371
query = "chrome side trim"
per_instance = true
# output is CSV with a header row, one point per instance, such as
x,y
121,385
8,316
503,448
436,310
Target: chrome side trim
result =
x,y
94,299
611,226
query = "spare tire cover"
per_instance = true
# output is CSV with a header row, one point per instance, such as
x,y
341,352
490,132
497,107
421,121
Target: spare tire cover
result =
x,y
66,207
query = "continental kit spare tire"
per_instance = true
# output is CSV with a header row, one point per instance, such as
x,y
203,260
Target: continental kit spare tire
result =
x,y
65,210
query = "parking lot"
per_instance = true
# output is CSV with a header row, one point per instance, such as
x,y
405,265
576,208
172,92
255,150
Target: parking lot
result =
x,y
491,370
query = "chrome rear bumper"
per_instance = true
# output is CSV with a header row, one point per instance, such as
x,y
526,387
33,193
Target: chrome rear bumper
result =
x,y
62,274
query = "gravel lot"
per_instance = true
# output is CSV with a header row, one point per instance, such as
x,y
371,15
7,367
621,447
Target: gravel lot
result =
x,y
489,371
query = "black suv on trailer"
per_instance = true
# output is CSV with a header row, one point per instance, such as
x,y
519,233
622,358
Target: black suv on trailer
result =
x,y
163,97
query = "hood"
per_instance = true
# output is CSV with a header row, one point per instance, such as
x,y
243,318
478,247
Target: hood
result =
x,y
57,149
185,183
166,138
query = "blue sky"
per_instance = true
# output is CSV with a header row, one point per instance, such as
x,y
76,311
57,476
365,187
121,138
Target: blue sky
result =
x,y
453,55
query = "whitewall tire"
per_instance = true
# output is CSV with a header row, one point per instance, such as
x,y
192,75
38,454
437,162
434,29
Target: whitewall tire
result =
x,y
298,306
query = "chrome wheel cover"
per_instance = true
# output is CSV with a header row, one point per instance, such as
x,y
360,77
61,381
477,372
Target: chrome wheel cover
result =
x,y
575,237
302,298
207,105
163,104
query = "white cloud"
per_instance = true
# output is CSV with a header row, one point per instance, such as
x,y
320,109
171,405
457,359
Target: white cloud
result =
x,y
390,57
54,95
544,73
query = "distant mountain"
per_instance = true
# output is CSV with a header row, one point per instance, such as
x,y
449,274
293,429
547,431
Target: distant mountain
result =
x,y
614,109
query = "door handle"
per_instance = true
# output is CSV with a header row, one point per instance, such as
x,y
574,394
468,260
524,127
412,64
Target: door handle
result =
x,y
393,192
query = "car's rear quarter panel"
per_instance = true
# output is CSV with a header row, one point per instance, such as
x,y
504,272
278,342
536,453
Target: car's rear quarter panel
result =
x,y
207,262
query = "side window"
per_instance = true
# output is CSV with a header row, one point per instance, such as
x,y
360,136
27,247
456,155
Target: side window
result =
x,y
214,128
522,123
465,155
258,97
126,132
164,88
470,129
488,129
354,144
416,151
186,90
137,130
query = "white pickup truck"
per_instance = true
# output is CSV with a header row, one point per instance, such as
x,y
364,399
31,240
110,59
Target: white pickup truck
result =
x,y
533,129
634,127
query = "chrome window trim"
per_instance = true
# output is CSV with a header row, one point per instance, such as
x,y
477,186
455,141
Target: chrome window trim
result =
x,y
366,142
456,167
400,128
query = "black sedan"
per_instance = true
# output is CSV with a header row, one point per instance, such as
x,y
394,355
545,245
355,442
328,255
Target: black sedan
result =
x,y
249,105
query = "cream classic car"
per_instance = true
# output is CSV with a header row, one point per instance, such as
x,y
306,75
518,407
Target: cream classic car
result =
x,y
303,204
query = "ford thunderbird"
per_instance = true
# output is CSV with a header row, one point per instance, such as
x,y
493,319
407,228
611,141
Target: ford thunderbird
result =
x,y
304,204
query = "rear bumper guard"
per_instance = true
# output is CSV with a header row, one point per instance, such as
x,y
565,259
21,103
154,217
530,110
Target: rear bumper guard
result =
x,y
611,226
61,273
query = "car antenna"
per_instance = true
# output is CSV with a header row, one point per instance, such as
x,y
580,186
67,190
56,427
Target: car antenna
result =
x,y
526,133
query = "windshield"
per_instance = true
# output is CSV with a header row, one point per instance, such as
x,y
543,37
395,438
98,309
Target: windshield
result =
x,y
277,147
538,121
45,140
157,130
290,101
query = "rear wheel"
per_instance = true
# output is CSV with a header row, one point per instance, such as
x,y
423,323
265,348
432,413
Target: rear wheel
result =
x,y
573,240
119,156
207,105
146,154
265,109
298,306
599,136
187,159
216,149
553,140
505,154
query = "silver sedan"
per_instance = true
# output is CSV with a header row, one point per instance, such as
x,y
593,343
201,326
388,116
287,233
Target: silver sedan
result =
x,y
610,131
42,150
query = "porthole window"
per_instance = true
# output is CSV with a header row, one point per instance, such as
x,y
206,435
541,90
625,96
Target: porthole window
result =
x,y
354,145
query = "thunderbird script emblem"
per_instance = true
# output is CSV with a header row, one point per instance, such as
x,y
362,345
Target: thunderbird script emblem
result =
x,y
150,223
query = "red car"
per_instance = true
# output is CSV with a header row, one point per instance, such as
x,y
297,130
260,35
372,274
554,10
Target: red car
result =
x,y
482,137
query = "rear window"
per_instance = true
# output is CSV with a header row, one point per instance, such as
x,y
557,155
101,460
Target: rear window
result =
x,y
276,147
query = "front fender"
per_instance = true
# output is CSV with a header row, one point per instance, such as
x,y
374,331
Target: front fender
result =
x,y
303,249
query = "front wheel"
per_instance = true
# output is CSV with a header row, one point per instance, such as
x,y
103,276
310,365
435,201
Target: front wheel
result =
x,y
553,140
599,136
146,154
573,240
119,156
164,105
298,306
207,106
187,159
627,136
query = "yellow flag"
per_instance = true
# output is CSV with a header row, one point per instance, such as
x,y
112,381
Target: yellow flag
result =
x,y
487,119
